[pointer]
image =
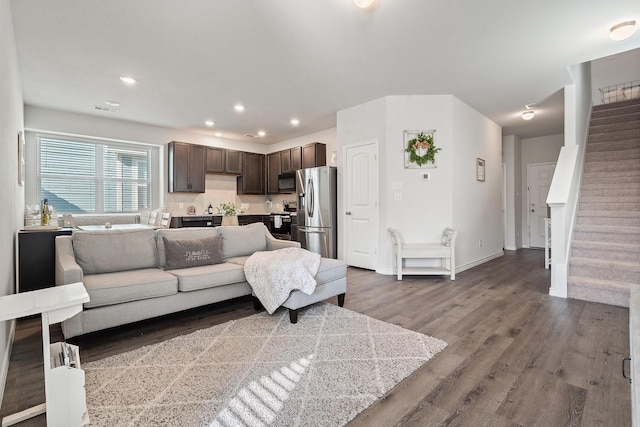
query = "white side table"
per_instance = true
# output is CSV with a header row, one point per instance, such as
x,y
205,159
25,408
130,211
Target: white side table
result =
x,y
66,404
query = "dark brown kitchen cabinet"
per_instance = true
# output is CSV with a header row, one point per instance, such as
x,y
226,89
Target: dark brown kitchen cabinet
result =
x,y
221,161
252,179
296,158
187,167
274,169
314,154
285,161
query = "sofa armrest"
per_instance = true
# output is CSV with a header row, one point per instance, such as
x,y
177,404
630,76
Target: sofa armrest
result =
x,y
67,269
273,243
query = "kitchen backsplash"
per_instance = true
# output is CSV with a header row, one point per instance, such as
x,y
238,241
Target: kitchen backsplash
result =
x,y
222,189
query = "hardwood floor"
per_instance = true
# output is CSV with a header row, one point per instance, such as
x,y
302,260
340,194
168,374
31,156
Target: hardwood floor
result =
x,y
516,356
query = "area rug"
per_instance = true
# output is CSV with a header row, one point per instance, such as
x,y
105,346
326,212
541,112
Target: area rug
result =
x,y
258,371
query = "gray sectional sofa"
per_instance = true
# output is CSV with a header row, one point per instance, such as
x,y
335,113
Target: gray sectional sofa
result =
x,y
133,275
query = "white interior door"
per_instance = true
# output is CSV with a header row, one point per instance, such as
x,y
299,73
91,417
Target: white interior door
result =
x,y
539,180
361,205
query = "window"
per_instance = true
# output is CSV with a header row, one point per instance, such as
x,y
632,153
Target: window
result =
x,y
93,177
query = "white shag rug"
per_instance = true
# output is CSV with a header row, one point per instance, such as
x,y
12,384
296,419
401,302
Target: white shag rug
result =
x,y
258,371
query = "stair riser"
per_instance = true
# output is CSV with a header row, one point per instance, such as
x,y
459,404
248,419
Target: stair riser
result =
x,y
607,146
612,166
593,178
600,113
629,200
625,256
597,186
604,296
615,155
615,136
596,272
614,127
608,206
613,191
591,236
621,118
617,222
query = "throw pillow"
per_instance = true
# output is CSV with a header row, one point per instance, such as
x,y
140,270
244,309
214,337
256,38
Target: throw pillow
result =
x,y
192,253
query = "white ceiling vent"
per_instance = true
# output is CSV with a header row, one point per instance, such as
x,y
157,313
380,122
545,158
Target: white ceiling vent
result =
x,y
101,108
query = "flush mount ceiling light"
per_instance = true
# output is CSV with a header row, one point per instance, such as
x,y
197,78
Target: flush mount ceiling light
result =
x,y
528,115
261,133
218,134
622,31
531,106
209,123
295,122
239,108
112,103
363,4
128,80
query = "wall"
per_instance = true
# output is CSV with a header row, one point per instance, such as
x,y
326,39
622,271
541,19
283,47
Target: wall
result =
x,y
219,188
427,207
545,149
11,121
620,68
511,157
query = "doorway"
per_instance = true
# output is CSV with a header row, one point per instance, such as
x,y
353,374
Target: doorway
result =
x,y
539,176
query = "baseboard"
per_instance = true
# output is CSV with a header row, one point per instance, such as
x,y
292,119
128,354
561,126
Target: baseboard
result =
x,y
389,271
6,357
511,248
476,263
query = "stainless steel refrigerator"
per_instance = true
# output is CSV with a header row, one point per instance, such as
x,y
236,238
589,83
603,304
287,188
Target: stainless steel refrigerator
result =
x,y
318,210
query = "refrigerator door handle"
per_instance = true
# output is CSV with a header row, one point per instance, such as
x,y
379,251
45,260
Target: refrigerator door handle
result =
x,y
312,197
308,230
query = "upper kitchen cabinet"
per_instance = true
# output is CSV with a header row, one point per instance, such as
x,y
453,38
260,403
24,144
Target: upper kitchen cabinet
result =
x,y
274,169
223,161
314,154
296,158
252,179
285,161
187,167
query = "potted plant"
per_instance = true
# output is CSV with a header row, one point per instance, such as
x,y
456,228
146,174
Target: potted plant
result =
x,y
229,213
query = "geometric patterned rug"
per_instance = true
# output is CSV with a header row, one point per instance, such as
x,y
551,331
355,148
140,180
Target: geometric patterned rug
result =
x,y
258,371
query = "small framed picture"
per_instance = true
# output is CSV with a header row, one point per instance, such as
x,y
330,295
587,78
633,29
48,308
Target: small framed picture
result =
x,y
21,158
480,169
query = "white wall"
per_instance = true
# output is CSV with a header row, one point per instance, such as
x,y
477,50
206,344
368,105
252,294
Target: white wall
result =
x,y
11,122
477,205
544,149
620,68
511,156
427,207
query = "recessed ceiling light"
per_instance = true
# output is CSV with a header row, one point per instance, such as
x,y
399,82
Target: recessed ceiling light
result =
x,y
112,103
128,80
239,108
218,134
528,115
209,123
622,31
295,122
363,3
261,133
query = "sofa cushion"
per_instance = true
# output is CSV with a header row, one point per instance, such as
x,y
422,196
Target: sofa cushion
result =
x,y
124,286
330,269
182,253
115,250
239,260
241,241
208,276
180,233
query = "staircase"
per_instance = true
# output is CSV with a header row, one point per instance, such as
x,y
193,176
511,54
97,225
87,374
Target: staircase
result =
x,y
605,251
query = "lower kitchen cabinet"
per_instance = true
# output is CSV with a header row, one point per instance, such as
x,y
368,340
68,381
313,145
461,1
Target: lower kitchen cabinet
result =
x,y
36,258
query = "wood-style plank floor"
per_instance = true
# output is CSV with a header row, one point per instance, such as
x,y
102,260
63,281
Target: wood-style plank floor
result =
x,y
516,356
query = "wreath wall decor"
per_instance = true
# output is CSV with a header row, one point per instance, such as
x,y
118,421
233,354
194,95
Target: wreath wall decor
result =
x,y
420,149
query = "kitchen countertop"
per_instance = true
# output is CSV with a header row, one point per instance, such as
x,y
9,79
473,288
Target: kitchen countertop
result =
x,y
241,214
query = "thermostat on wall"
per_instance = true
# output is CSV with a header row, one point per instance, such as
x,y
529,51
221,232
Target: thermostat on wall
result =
x,y
426,176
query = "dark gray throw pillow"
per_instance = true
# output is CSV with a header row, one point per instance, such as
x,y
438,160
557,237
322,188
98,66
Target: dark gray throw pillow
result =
x,y
192,253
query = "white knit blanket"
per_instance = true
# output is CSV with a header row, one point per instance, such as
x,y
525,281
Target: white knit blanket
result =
x,y
274,274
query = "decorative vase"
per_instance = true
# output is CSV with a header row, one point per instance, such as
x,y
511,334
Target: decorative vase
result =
x,y
230,220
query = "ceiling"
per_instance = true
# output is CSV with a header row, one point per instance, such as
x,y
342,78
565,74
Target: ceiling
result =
x,y
308,59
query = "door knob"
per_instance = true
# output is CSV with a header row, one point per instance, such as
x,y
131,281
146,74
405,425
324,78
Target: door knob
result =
x,y
533,210
348,212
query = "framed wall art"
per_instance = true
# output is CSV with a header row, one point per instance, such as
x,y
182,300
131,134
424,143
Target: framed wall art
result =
x,y
419,149
480,169
21,158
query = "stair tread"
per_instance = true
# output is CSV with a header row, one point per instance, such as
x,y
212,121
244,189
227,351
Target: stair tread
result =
x,y
610,214
626,265
627,229
591,281
598,244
